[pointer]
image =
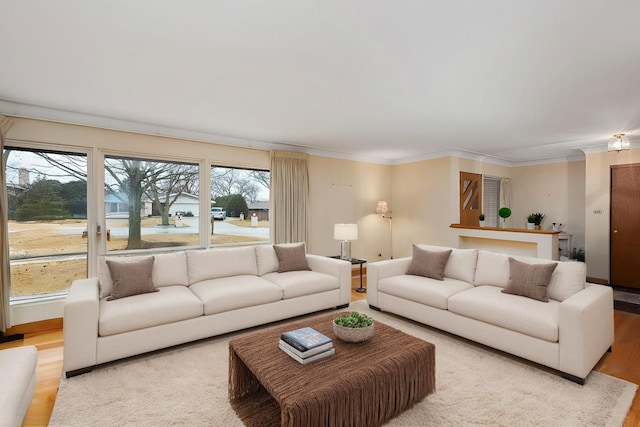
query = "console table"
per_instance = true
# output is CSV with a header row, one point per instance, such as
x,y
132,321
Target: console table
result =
x,y
355,261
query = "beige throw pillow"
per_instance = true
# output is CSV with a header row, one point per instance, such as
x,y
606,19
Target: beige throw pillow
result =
x,y
529,280
428,264
291,257
131,278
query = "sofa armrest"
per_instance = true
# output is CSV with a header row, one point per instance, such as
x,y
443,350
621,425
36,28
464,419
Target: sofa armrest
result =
x,y
80,327
585,329
340,269
381,270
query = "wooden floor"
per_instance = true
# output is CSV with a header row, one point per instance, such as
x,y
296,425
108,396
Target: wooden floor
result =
x,y
622,362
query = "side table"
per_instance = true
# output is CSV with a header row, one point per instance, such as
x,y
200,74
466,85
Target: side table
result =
x,y
355,261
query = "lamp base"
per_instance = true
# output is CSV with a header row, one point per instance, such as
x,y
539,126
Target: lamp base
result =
x,y
345,249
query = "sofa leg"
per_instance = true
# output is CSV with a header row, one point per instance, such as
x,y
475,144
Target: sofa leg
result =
x,y
77,372
342,306
373,307
573,378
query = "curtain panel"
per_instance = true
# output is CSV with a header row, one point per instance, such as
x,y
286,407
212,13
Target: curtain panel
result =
x,y
5,278
289,194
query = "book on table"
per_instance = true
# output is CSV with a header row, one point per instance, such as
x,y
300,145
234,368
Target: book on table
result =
x,y
287,349
305,339
308,353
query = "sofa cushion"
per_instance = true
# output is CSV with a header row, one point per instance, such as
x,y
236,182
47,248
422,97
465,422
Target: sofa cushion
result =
x,y
168,269
266,259
529,280
428,263
431,292
492,269
131,278
170,304
461,264
230,293
221,262
568,278
525,315
291,257
299,283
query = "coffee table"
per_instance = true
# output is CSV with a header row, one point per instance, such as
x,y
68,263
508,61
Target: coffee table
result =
x,y
363,384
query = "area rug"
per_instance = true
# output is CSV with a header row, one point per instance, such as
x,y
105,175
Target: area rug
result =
x,y
187,386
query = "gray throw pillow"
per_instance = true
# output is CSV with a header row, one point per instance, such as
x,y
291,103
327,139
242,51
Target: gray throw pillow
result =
x,y
529,280
291,257
428,263
131,278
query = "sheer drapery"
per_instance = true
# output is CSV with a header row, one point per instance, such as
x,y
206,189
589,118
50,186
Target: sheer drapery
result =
x,y
5,288
505,192
289,194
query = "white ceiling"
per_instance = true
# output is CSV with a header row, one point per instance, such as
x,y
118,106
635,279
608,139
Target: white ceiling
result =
x,y
383,81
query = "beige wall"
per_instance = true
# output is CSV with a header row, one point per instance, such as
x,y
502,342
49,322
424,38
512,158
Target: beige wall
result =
x,y
126,143
597,190
557,190
344,191
423,195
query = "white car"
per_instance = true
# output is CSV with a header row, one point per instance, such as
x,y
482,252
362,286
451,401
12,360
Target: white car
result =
x,y
218,213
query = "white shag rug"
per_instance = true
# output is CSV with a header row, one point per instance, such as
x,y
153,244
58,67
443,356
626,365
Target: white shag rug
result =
x,y
187,386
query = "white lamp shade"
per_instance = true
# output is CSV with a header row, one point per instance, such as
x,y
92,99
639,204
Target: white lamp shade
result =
x,y
382,207
345,231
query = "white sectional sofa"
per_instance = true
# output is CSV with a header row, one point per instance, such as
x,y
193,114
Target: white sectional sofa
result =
x,y
569,333
195,294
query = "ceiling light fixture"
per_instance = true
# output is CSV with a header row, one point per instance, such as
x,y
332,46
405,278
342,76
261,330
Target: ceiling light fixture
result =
x,y
619,142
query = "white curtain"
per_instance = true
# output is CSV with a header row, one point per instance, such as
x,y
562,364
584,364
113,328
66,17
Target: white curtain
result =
x,y
505,192
289,195
5,275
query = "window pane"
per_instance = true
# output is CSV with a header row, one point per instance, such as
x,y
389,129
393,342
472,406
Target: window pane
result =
x,y
150,203
491,200
239,205
47,195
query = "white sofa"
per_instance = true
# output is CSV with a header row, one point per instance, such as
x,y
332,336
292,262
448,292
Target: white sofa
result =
x,y
18,372
201,293
569,333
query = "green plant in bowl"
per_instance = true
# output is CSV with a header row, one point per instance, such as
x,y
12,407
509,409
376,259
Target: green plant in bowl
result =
x,y
353,327
353,320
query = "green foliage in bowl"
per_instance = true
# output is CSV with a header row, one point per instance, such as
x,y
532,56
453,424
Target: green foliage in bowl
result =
x,y
353,320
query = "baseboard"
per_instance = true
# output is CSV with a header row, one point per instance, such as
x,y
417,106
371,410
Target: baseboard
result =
x,y
8,338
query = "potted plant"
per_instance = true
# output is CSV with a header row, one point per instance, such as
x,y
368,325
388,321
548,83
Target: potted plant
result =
x,y
481,218
555,226
538,219
353,327
504,213
531,221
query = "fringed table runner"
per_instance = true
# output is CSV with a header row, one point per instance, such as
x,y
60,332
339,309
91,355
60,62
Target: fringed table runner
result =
x,y
363,384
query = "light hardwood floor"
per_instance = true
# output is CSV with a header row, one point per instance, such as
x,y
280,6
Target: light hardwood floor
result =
x,y
622,362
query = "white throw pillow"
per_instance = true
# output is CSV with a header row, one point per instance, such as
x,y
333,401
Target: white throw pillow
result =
x,y
461,264
492,269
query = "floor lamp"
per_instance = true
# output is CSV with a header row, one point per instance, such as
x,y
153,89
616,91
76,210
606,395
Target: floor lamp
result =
x,y
382,208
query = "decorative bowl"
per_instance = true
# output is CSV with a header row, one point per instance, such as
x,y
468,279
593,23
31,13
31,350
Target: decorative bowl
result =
x,y
353,334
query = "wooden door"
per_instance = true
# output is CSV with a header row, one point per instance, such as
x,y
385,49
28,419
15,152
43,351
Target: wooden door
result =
x,y
470,198
625,226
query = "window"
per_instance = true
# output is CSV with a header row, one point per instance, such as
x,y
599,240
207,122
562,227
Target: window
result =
x,y
243,195
150,203
491,200
47,195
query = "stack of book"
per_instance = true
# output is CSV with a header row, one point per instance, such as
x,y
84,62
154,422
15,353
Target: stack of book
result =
x,y
306,345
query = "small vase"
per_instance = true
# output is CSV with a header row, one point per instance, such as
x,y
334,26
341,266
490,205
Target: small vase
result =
x,y
503,224
537,227
530,226
482,223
